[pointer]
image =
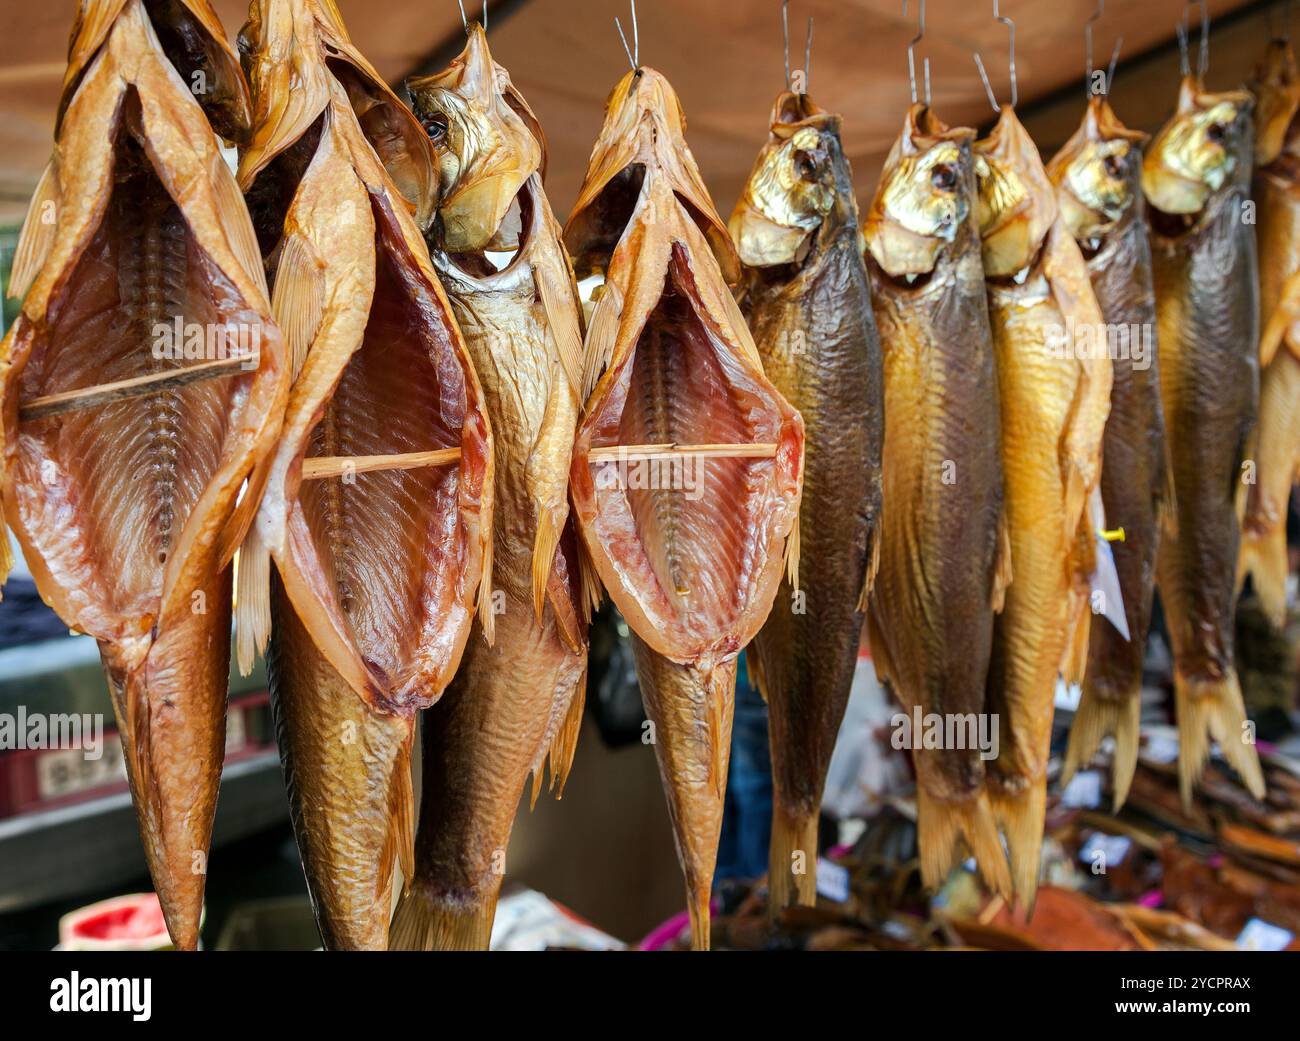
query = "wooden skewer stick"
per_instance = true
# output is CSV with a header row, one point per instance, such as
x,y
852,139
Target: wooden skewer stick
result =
x,y
337,465
636,453
135,387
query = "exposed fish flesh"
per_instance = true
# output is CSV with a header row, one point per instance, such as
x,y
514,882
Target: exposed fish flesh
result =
x,y
1276,449
518,695
687,464
944,553
1196,177
377,510
1098,178
142,264
1054,394
808,302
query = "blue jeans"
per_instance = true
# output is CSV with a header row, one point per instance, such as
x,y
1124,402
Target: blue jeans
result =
x,y
747,814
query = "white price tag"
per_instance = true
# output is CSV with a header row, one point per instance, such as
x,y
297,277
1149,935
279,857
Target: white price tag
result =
x,y
1259,935
1084,790
832,880
1112,849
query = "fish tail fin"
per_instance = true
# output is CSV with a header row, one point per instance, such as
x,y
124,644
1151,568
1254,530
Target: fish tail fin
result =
x,y
1001,565
697,906
252,601
548,536
792,861
486,608
1075,663
942,827
1021,814
1263,557
873,565
1213,709
791,559
565,742
423,923
1095,718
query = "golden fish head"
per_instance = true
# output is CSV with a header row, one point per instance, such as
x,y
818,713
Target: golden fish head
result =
x,y
1199,150
487,143
1277,97
792,187
924,196
1016,203
1097,172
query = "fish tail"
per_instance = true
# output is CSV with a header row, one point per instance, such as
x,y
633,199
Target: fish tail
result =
x,y
1097,717
943,825
791,560
792,861
1021,813
1263,557
873,565
548,536
424,922
252,601
565,742
1213,709
701,915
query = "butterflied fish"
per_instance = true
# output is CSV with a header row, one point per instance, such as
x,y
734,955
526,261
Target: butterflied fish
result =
x,y
1276,451
144,274
377,510
687,464
519,693
1196,176
1054,393
808,302
1098,179
944,553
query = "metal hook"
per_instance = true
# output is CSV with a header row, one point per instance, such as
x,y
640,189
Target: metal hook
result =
x,y
634,52
807,57
979,63
1203,57
807,50
911,58
1087,46
465,21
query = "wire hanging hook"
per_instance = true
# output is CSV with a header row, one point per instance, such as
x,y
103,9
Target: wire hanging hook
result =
x,y
911,57
979,63
1087,48
465,21
634,52
807,50
1184,32
1114,61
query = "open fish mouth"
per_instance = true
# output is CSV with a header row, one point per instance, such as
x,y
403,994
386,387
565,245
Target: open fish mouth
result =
x,y
508,243
906,282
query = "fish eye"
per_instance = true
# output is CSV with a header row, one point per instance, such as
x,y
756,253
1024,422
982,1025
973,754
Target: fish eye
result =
x,y
435,126
1115,165
805,165
1217,133
944,177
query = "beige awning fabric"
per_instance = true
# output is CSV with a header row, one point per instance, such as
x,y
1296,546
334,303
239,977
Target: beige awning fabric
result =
x,y
725,59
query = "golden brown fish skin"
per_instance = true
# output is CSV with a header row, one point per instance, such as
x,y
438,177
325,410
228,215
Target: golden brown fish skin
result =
x,y
811,319
124,510
353,760
519,696
1053,407
1196,176
1098,178
692,561
942,542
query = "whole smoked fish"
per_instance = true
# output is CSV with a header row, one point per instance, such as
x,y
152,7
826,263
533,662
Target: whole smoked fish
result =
x,y
1098,179
377,510
1196,177
808,302
144,273
1276,452
687,465
520,696
944,553
1054,394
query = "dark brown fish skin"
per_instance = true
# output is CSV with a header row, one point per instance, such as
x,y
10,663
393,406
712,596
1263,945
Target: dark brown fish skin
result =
x,y
1134,477
1207,297
815,332
936,591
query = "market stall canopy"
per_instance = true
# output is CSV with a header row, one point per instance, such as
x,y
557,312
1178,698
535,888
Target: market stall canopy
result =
x,y
724,59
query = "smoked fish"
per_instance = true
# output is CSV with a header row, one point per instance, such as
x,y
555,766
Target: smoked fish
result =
x,y
378,549
687,464
518,696
1276,451
1196,177
944,554
1098,179
1054,382
808,301
139,263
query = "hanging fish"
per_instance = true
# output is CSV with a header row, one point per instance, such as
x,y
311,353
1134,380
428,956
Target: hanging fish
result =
x,y
143,382
1196,176
1098,179
1054,384
808,301
1276,452
519,693
377,510
944,556
687,464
